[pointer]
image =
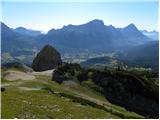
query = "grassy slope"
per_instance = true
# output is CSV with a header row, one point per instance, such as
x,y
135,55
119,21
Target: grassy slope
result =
x,y
19,103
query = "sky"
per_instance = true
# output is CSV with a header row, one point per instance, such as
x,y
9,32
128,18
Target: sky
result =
x,y
40,15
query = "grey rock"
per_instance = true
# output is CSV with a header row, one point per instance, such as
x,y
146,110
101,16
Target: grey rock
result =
x,y
48,58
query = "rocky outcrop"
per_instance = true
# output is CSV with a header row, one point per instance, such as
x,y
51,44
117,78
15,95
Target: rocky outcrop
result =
x,y
48,58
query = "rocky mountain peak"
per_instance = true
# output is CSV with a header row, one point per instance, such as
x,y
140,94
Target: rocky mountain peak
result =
x,y
131,26
96,22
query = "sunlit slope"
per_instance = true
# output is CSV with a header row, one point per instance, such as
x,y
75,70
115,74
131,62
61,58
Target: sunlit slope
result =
x,y
42,98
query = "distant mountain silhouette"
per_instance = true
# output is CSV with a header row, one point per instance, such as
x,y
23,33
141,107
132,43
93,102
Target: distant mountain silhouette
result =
x,y
93,36
133,35
151,34
25,31
16,44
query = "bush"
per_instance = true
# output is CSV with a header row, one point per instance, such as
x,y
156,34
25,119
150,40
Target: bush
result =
x,y
83,76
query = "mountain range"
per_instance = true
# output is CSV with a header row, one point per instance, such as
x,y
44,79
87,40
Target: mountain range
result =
x,y
94,36
151,34
25,31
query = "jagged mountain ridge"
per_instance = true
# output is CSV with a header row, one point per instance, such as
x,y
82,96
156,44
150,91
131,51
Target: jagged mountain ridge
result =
x,y
16,46
94,36
12,41
24,31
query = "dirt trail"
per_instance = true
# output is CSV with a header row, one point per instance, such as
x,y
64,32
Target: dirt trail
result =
x,y
46,73
28,88
18,75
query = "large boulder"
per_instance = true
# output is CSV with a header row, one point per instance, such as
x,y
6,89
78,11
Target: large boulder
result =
x,y
48,58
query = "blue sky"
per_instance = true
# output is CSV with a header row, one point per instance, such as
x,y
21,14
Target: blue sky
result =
x,y
46,15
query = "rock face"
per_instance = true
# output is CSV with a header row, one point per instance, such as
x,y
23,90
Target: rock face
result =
x,y
48,58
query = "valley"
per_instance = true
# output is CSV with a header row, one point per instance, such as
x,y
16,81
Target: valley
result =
x,y
82,71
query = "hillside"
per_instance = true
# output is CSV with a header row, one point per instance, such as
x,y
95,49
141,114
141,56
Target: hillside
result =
x,y
116,85
101,62
102,92
17,47
27,98
79,60
145,56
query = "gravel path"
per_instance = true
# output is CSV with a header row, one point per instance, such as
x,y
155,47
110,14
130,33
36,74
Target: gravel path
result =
x,y
17,75
46,73
28,88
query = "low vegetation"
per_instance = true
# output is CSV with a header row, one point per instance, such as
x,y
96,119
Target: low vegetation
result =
x,y
70,99
116,85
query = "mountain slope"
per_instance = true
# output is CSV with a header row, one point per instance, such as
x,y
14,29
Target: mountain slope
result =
x,y
24,31
16,44
94,36
29,98
13,41
146,55
100,62
134,36
153,34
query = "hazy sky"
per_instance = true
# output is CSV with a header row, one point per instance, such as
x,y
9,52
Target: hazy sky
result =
x,y
43,16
